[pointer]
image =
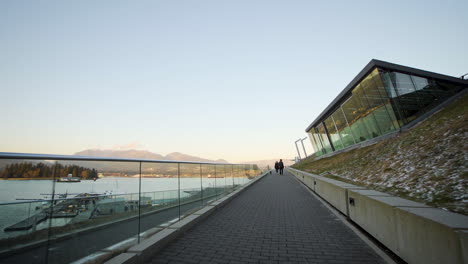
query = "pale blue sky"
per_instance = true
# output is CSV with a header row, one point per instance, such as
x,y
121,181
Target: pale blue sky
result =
x,y
238,80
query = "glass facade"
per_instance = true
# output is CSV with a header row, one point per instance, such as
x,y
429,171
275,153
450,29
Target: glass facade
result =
x,y
381,103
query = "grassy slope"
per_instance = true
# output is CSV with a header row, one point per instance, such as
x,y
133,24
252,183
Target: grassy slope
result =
x,y
425,164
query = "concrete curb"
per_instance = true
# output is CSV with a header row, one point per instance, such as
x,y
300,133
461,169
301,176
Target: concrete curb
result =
x,y
132,252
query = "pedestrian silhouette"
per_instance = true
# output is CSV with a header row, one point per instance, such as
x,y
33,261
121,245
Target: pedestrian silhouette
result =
x,y
281,166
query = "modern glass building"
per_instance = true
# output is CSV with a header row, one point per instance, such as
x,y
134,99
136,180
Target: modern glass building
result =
x,y
381,99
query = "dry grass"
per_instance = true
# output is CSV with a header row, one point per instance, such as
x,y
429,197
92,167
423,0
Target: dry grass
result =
x,y
425,164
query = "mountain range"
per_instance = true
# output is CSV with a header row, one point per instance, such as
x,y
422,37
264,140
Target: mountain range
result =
x,y
143,154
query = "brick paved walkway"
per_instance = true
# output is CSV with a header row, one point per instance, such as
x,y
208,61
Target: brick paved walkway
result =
x,y
274,221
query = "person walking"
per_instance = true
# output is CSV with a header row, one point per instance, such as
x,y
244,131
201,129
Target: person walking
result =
x,y
281,166
276,166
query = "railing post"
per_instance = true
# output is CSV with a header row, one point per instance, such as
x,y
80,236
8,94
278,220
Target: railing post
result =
x,y
139,207
51,210
201,184
216,187
178,189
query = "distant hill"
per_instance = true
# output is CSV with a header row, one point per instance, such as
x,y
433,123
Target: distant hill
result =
x,y
143,154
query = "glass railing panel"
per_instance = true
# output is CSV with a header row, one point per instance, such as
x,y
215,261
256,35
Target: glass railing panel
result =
x,y
190,188
23,224
160,199
230,177
26,188
240,175
245,177
97,205
64,210
235,176
210,191
220,180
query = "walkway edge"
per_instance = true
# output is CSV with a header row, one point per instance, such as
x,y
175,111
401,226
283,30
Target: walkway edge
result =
x,y
147,248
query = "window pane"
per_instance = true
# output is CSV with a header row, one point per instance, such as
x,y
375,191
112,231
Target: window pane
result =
x,y
431,92
403,83
352,113
317,142
334,135
365,111
390,124
342,126
375,93
322,135
407,100
387,81
314,145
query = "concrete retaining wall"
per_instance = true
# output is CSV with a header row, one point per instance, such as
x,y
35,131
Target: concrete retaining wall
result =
x,y
414,231
332,193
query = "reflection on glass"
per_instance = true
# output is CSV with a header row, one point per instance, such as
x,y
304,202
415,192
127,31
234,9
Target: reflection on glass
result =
x,y
353,111
347,137
312,142
190,187
210,190
383,110
407,100
230,177
333,133
318,139
107,193
159,194
322,136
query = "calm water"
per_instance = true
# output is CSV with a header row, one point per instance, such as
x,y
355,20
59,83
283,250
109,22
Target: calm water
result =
x,y
12,190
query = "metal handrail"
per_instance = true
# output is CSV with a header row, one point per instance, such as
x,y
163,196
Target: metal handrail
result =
x,y
13,155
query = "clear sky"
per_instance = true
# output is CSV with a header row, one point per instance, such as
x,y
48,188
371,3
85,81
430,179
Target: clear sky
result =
x,y
238,80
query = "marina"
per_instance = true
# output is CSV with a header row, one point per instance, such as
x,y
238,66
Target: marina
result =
x,y
86,202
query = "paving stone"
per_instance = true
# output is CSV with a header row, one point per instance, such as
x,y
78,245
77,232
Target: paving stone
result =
x,y
273,221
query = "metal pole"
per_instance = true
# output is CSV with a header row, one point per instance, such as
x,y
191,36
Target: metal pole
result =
x,y
298,153
302,142
216,187
139,207
178,192
232,175
201,184
50,212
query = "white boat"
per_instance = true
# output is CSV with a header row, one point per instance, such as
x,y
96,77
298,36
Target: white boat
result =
x,y
69,178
